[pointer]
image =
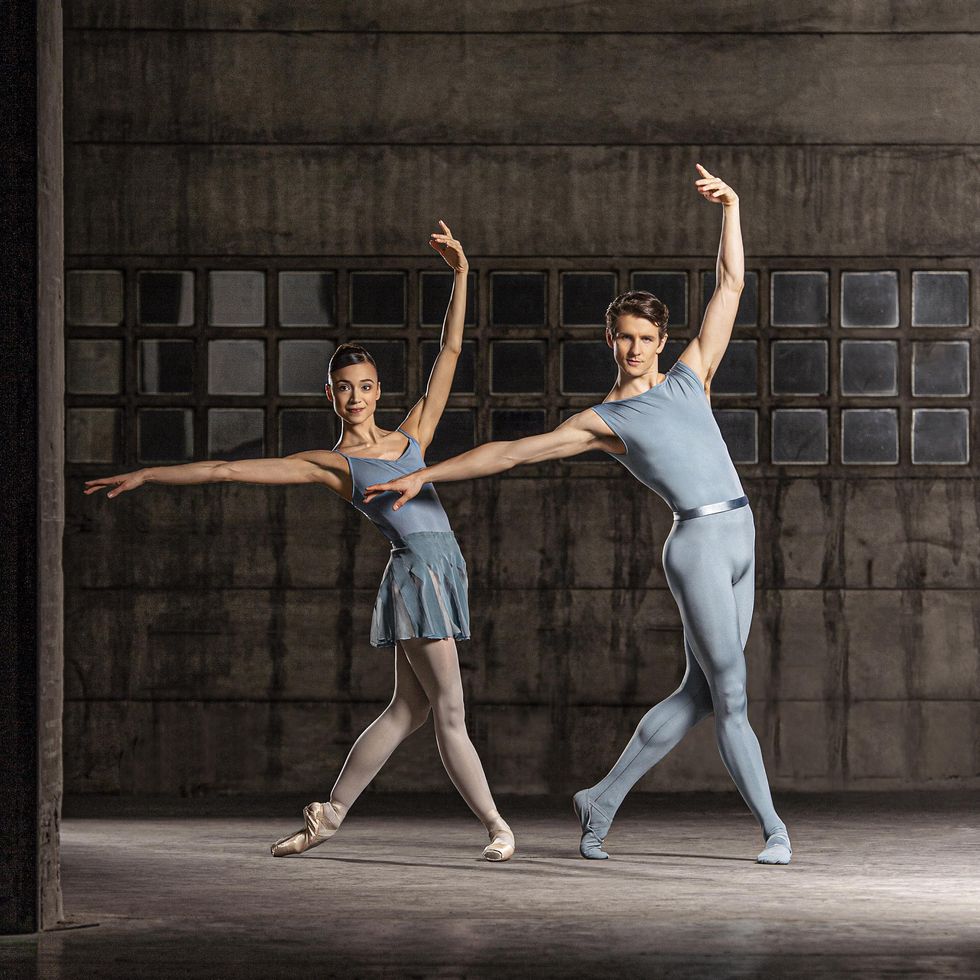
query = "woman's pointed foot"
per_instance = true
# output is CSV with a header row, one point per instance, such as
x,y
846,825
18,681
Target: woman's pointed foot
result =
x,y
595,825
322,822
502,844
778,849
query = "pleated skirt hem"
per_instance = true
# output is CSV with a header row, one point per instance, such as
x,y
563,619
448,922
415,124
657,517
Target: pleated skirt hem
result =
x,y
423,593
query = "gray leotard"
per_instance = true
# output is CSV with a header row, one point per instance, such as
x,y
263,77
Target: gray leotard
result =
x,y
423,593
673,443
422,513
674,446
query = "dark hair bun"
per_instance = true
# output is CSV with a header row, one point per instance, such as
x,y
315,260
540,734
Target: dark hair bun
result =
x,y
346,355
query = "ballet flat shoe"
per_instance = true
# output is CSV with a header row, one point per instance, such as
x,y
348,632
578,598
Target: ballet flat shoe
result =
x,y
778,849
501,846
322,822
595,825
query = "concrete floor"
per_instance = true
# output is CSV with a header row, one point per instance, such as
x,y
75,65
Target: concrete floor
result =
x,y
881,886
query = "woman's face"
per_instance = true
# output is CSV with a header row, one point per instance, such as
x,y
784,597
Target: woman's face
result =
x,y
354,391
635,342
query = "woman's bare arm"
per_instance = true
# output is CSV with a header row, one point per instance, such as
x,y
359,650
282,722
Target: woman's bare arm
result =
x,y
704,353
314,466
422,420
576,435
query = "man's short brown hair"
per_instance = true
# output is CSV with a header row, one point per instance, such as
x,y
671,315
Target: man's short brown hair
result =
x,y
638,303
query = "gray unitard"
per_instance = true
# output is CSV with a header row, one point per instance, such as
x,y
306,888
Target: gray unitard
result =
x,y
674,446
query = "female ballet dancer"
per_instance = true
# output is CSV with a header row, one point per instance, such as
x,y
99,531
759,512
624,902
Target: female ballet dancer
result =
x,y
421,608
662,429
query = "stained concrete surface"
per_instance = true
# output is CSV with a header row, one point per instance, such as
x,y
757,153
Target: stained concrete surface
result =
x,y
881,885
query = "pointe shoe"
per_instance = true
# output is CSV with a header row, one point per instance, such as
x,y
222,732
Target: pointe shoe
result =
x,y
502,844
322,822
778,849
595,825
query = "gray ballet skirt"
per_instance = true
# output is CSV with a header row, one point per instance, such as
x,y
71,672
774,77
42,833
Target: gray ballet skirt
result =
x,y
423,592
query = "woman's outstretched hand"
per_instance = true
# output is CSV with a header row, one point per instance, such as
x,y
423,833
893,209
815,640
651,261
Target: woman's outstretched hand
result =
x,y
449,248
713,188
121,483
406,486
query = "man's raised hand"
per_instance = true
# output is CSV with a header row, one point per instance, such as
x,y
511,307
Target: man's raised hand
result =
x,y
713,188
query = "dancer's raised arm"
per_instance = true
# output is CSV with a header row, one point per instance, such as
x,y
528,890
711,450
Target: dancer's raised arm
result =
x,y
704,353
576,435
422,420
315,466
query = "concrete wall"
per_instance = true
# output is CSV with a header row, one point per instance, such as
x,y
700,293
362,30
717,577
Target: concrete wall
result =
x,y
216,637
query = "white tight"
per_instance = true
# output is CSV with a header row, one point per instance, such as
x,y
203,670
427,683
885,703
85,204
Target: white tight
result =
x,y
426,679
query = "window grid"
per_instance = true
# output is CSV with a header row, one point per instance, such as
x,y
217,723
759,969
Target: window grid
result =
x,y
554,403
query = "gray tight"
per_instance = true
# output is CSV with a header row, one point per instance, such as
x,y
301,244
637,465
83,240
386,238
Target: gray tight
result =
x,y
710,567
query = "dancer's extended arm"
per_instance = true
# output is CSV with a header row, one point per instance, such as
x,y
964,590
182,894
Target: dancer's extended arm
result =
x,y
422,420
704,353
315,466
576,435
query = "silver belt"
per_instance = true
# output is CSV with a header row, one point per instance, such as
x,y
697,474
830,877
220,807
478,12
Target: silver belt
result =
x,y
706,509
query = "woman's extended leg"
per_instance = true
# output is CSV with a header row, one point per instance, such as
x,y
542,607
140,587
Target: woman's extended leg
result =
x,y
407,711
436,664
660,729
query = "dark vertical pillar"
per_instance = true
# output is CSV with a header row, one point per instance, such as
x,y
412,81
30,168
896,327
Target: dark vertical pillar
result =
x,y
31,434
51,451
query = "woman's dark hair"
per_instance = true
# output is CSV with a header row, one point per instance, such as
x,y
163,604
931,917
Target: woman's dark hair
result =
x,y
638,303
346,355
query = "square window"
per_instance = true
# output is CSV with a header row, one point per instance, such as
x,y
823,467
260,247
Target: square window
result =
x,y
236,367
869,299
941,368
303,366
737,373
799,367
303,429
668,356
740,430
464,380
307,299
585,296
165,299
747,314
508,423
594,455
92,435
389,356
236,299
799,299
517,367
164,435
940,435
93,298
455,434
869,435
166,367
670,288
377,299
868,367
799,435
236,433
587,367
435,291
940,299
518,299
94,367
